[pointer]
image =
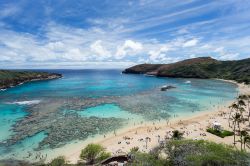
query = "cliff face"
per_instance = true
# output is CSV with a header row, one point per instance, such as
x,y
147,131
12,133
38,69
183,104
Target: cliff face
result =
x,y
9,78
204,67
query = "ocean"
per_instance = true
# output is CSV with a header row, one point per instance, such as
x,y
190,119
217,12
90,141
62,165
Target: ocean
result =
x,y
37,118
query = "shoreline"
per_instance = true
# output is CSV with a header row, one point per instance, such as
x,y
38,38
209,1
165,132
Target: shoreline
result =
x,y
157,131
12,85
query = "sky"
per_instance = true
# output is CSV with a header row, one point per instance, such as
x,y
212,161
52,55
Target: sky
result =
x,y
79,34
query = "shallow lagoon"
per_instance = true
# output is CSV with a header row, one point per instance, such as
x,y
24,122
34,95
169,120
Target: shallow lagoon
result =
x,y
95,96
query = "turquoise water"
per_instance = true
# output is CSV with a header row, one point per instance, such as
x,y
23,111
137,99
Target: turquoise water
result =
x,y
105,111
103,99
9,114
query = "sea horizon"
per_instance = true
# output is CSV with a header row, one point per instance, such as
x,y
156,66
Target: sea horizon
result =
x,y
130,82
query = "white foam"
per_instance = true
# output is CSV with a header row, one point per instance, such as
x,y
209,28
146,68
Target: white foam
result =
x,y
28,102
187,82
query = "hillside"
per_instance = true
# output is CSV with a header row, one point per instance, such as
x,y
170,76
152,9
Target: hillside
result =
x,y
9,78
203,67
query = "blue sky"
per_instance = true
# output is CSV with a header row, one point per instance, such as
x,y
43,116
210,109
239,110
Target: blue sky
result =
x,y
120,33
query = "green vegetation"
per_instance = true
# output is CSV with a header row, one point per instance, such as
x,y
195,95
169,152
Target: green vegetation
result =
x,y
192,153
189,152
11,78
94,153
177,135
204,67
59,161
222,134
172,153
147,159
237,117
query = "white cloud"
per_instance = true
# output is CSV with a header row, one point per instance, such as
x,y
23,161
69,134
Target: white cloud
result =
x,y
129,47
75,54
220,50
159,54
98,49
190,43
70,47
229,56
192,56
223,54
57,46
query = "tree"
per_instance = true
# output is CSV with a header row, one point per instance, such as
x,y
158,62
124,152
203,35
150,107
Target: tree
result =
x,y
177,135
59,161
233,107
236,119
93,153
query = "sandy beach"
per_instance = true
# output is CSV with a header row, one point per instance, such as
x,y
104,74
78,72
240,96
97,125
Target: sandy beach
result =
x,y
148,135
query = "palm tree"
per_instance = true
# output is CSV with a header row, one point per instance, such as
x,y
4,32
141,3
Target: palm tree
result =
x,y
242,103
236,119
234,106
177,135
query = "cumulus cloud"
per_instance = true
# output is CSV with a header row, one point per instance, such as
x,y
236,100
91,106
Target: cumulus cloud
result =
x,y
68,47
98,49
159,54
65,44
129,47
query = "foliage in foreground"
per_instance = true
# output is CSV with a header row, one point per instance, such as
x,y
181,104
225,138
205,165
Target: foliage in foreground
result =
x,y
59,161
147,159
222,134
173,153
190,152
94,153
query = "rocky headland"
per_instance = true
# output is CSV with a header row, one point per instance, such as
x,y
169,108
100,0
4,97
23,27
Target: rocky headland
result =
x,y
11,78
202,67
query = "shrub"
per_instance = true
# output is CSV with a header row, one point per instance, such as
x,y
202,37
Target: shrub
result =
x,y
190,152
94,153
59,161
222,134
134,149
145,159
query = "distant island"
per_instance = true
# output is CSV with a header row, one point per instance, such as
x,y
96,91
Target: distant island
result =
x,y
202,67
10,78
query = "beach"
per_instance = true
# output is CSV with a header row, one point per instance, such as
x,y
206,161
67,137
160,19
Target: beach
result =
x,y
146,136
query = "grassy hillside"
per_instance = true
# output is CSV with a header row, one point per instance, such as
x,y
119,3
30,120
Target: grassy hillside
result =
x,y
204,67
10,78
